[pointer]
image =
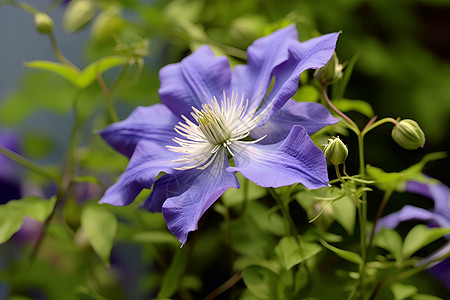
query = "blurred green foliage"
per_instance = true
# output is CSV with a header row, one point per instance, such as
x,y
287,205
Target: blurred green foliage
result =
x,y
402,69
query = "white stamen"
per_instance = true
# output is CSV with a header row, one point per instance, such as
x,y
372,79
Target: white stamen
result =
x,y
218,126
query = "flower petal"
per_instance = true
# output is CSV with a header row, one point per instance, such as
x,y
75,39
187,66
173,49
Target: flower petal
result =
x,y
253,80
311,54
441,271
148,160
194,192
193,81
441,197
154,123
439,193
408,213
294,160
312,116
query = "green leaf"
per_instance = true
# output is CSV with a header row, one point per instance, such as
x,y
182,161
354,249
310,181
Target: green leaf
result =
x,y
291,254
172,278
345,254
360,106
13,212
156,237
340,87
390,240
402,291
68,72
397,181
345,213
89,74
80,79
100,226
425,297
307,93
419,237
261,281
233,197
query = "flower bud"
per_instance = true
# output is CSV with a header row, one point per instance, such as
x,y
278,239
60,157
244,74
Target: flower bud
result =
x,y
77,14
43,23
331,72
335,151
408,134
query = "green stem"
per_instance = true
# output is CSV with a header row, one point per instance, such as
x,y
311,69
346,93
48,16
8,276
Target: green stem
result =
x,y
289,222
362,216
108,98
380,210
349,122
371,126
58,53
28,8
53,5
64,182
119,78
27,163
338,174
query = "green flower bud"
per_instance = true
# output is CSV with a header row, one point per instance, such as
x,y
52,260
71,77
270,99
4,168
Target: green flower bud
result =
x,y
408,134
43,23
335,151
77,14
106,24
331,72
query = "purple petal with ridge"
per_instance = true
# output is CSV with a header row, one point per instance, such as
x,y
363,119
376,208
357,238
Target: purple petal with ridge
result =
x,y
253,80
148,160
312,116
311,54
294,160
152,123
191,193
194,81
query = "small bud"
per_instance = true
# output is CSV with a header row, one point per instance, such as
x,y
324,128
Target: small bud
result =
x,y
329,73
335,151
77,14
43,23
408,134
107,24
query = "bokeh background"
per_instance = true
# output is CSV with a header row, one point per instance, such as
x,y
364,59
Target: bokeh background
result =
x,y
402,70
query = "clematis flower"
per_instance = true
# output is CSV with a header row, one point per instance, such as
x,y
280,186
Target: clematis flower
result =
x,y
439,216
215,122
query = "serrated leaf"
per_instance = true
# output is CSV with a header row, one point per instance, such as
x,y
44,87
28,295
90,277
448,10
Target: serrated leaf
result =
x,y
68,72
345,254
172,278
292,253
89,74
100,226
261,282
361,106
389,240
419,237
13,212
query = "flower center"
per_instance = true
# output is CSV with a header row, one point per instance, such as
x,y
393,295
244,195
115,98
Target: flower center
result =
x,y
219,125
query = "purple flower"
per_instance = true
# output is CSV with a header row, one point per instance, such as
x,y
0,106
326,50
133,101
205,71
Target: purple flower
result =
x,y
9,186
439,216
212,113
